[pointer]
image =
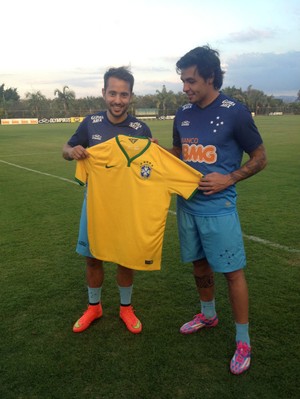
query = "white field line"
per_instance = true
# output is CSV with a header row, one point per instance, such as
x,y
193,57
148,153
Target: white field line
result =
x,y
37,171
249,237
271,244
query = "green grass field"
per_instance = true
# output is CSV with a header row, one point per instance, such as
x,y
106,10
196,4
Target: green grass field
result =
x,y
43,288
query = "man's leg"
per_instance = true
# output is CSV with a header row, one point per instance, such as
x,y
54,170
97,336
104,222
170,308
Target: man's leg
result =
x,y
204,278
238,294
124,276
94,277
94,272
125,285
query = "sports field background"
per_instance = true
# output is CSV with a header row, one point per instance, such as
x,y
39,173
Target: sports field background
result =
x,y
43,289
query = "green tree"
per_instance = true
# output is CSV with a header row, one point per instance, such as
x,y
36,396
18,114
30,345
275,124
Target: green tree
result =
x,y
8,98
235,93
253,99
181,99
2,101
87,105
165,100
36,102
65,97
147,101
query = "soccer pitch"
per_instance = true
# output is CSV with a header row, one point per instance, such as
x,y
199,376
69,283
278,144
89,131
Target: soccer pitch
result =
x,y
43,289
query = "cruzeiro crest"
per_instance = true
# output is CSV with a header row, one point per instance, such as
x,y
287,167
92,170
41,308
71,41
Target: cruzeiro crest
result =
x,y
146,169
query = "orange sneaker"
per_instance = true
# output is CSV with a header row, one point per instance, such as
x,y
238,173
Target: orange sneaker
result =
x,y
132,322
92,313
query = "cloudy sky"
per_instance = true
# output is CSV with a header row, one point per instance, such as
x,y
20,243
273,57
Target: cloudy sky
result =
x,y
47,45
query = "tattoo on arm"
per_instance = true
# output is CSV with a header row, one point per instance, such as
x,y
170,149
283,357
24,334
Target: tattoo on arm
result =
x,y
206,281
250,168
255,164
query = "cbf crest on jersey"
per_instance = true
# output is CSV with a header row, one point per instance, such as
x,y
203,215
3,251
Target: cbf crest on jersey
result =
x,y
146,169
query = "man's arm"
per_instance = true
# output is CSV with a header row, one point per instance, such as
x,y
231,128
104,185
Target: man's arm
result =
x,y
256,163
78,152
215,182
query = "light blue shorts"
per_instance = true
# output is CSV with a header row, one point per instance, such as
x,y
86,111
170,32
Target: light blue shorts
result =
x,y
82,247
217,238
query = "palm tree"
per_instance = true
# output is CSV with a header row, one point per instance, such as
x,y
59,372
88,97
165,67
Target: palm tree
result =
x,y
165,98
36,102
65,96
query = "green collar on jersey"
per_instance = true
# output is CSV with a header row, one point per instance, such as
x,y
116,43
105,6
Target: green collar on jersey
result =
x,y
139,153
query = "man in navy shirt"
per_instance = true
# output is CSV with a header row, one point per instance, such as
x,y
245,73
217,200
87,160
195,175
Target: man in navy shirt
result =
x,y
211,133
96,129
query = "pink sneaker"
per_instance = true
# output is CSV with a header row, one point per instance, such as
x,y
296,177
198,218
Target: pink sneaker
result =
x,y
241,358
199,321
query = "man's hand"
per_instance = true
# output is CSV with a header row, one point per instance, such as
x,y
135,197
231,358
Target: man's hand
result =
x,y
153,140
78,152
214,182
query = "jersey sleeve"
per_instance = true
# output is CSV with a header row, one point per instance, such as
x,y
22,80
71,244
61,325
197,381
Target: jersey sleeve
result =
x,y
142,129
80,137
81,174
147,131
180,178
176,136
246,132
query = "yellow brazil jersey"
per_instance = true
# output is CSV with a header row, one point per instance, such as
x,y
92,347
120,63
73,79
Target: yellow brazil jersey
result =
x,y
130,182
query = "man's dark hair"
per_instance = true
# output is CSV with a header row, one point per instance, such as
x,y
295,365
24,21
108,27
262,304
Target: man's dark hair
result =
x,y
122,73
207,62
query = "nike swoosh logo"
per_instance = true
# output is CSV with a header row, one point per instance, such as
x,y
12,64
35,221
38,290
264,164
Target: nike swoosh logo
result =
x,y
109,166
138,325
